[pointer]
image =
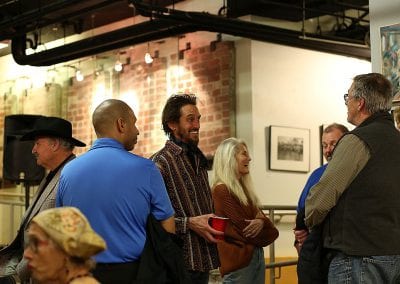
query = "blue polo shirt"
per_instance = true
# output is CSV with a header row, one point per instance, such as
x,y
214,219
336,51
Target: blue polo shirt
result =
x,y
116,190
312,180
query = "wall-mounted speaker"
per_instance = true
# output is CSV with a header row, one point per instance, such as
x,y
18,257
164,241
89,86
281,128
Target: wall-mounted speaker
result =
x,y
19,164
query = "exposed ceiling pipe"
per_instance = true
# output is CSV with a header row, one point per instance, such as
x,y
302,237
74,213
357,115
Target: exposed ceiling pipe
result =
x,y
212,23
280,4
40,17
136,34
169,23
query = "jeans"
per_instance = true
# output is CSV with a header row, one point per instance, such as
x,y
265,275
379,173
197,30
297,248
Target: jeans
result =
x,y
364,269
254,273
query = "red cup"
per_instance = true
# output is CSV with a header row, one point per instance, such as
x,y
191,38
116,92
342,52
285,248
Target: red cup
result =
x,y
219,224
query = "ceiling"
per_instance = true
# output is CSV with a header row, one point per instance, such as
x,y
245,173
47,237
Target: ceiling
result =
x,y
29,23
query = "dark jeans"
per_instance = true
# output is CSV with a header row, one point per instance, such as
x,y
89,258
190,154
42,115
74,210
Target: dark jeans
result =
x,y
199,277
111,273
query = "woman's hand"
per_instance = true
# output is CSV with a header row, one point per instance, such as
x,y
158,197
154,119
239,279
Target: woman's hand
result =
x,y
253,228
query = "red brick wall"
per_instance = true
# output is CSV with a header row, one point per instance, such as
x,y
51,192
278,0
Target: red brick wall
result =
x,y
207,74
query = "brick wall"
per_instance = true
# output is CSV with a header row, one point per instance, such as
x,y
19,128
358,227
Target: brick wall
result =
x,y
207,74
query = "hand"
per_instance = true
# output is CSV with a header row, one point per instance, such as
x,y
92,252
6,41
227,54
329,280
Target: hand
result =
x,y
253,228
200,225
300,235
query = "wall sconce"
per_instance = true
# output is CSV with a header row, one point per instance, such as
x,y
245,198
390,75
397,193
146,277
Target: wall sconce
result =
x,y
148,59
98,71
79,76
182,51
51,75
118,66
78,73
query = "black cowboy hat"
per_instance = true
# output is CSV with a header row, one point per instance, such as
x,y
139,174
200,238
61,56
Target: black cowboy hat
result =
x,y
52,126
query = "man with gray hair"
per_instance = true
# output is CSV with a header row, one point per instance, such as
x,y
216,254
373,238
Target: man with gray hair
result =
x,y
53,146
357,198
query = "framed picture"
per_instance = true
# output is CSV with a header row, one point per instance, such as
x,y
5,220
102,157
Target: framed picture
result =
x,y
289,149
390,50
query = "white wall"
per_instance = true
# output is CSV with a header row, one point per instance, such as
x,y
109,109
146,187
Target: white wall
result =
x,y
382,13
285,86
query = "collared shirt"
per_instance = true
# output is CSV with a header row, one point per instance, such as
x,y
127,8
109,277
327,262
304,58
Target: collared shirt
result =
x,y
350,157
190,194
116,190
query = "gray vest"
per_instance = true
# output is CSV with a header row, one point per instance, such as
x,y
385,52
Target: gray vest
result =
x,y
366,219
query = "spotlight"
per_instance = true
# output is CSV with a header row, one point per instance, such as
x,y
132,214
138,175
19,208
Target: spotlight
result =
x,y
147,58
79,76
118,66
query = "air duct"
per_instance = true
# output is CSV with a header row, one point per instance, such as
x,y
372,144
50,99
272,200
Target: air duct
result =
x,y
168,22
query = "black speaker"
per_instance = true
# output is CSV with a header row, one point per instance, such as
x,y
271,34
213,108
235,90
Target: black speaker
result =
x,y
19,164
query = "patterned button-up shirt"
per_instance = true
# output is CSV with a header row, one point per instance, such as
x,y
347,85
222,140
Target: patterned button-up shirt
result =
x,y
190,195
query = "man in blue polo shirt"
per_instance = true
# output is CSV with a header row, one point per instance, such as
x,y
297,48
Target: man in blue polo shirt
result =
x,y
330,136
116,190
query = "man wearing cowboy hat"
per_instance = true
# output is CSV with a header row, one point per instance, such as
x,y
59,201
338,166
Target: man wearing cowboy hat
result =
x,y
53,148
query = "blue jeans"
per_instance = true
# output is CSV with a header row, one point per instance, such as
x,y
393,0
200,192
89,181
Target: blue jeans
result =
x,y
364,269
254,273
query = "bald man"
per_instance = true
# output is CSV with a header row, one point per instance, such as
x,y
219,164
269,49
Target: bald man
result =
x,y
116,190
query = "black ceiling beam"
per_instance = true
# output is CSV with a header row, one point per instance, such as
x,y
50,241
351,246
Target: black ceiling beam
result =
x,y
236,27
38,18
139,33
317,11
169,23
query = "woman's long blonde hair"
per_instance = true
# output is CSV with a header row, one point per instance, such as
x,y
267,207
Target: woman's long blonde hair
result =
x,y
225,171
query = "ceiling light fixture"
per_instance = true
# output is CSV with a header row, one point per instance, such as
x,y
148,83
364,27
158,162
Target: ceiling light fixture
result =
x,y
118,66
79,76
147,57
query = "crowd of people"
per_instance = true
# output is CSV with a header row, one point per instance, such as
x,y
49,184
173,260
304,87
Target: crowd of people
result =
x,y
107,215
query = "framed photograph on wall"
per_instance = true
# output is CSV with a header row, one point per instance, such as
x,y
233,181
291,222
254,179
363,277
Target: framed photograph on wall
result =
x,y
289,149
390,50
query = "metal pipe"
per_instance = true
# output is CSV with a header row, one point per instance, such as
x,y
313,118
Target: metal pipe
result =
x,y
320,11
136,34
169,23
34,15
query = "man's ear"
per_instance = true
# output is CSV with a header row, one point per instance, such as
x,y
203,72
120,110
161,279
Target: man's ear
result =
x,y
121,125
56,144
361,103
172,125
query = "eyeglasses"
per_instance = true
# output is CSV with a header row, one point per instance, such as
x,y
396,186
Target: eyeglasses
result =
x,y
33,243
346,98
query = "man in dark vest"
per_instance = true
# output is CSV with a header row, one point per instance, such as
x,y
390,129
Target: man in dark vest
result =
x,y
358,197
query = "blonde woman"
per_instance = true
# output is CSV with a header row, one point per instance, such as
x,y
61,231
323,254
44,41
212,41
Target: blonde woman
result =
x,y
249,230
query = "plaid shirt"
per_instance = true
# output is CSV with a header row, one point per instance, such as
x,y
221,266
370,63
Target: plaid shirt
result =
x,y
190,195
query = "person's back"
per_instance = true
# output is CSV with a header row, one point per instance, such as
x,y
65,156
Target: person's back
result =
x,y
116,190
112,191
